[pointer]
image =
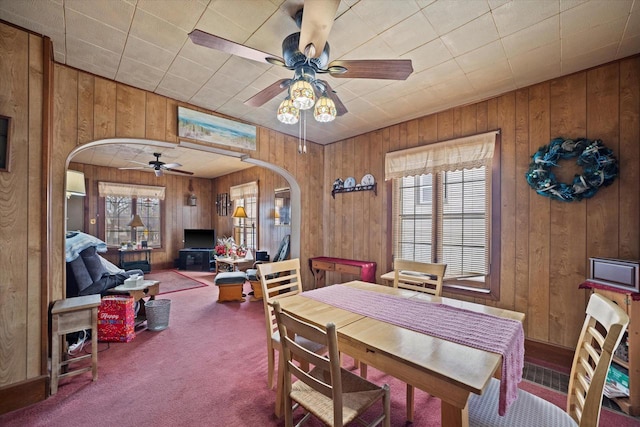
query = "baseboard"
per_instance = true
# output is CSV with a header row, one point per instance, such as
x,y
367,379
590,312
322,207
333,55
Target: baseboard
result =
x,y
24,393
549,355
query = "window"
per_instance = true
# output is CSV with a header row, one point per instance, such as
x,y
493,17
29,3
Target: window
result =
x,y
444,215
245,229
123,202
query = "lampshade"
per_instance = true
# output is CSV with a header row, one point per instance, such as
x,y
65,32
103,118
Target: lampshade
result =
x,y
302,94
240,212
325,109
288,113
75,184
136,221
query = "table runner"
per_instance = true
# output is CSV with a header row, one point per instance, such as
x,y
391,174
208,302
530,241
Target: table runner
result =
x,y
478,330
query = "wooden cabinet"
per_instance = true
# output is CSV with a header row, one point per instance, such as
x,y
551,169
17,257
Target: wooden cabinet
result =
x,y
196,259
625,299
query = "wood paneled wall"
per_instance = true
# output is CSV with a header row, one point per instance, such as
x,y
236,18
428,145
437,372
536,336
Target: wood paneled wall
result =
x,y
21,209
545,245
176,214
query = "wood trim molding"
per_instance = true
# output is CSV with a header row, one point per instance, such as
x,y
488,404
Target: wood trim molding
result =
x,y
46,241
549,355
24,393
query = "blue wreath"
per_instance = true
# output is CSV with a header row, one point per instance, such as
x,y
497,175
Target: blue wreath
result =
x,y
599,166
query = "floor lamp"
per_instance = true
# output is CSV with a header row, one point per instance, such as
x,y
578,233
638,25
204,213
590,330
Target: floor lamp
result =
x,y
239,212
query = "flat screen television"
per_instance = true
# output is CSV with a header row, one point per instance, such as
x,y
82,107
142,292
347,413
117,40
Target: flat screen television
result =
x,y
199,238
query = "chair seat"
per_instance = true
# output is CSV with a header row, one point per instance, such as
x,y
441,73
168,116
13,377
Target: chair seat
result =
x,y
353,402
527,411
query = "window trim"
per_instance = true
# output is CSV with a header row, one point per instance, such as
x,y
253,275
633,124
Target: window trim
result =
x,y
491,290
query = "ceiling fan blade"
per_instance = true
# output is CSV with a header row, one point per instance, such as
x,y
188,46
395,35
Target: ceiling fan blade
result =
x,y
202,38
134,167
268,93
171,165
179,171
140,163
389,69
340,108
317,20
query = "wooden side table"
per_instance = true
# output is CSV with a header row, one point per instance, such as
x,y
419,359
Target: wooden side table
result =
x,y
73,315
147,288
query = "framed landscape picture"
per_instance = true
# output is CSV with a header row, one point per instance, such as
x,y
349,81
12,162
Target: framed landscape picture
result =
x,y
5,130
217,130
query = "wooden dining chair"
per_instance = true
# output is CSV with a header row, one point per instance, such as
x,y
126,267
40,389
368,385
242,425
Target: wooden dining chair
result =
x,y
602,331
330,393
279,280
420,277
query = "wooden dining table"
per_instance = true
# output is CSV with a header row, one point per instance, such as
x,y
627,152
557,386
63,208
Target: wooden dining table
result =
x,y
442,368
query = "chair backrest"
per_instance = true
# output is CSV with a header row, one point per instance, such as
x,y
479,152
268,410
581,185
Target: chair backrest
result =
x,y
601,333
418,276
329,383
278,280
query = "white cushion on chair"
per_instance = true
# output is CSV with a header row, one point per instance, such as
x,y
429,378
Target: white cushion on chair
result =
x,y
527,411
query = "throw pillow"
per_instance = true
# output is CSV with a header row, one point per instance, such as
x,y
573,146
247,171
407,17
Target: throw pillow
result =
x,y
83,278
93,263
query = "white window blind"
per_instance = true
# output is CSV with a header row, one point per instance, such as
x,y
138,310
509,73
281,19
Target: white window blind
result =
x,y
245,230
130,190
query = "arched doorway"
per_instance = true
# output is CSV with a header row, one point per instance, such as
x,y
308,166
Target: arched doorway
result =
x,y
154,145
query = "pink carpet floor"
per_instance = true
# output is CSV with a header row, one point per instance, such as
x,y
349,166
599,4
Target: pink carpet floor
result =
x,y
208,368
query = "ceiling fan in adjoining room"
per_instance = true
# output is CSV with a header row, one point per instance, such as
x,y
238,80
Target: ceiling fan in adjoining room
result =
x,y
158,166
306,53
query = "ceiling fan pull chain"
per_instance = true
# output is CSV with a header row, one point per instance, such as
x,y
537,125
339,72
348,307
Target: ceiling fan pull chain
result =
x,y
304,148
300,134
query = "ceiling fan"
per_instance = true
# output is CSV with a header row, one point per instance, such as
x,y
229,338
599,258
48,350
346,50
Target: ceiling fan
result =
x,y
307,54
158,166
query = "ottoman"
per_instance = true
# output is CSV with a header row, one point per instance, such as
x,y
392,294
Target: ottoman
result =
x,y
230,285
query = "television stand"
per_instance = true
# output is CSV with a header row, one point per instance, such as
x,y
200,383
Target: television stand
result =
x,y
197,259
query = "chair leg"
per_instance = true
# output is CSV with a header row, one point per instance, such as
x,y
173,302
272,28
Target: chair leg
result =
x,y
271,366
280,398
410,398
386,402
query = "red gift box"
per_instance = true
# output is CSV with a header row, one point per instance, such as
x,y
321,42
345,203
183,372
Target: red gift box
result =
x,y
116,319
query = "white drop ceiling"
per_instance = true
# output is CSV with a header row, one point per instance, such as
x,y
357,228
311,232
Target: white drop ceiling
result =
x,y
462,50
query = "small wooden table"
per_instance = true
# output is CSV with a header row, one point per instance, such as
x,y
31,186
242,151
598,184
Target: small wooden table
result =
x,y
237,264
147,288
365,270
73,315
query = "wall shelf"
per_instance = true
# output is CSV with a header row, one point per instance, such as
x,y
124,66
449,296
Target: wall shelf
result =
x,y
373,188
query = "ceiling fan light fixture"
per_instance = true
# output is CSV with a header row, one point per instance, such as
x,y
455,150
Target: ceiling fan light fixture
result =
x,y
325,110
302,94
288,113
158,172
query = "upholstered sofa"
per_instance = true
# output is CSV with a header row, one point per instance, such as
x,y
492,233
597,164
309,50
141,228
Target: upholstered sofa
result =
x,y
87,272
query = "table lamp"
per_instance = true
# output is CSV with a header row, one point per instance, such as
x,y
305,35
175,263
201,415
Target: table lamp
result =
x,y
136,222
